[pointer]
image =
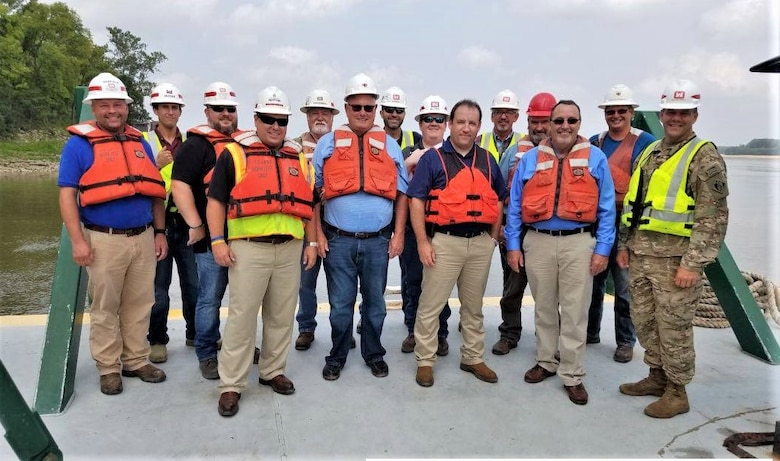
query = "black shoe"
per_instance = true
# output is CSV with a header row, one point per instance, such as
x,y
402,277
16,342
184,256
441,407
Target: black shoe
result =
x,y
352,343
256,357
331,372
443,347
592,340
359,328
379,369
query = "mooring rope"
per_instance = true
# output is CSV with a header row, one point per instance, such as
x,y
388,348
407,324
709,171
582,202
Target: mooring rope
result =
x,y
709,312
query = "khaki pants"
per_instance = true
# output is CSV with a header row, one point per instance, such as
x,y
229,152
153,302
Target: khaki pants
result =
x,y
268,275
121,286
559,275
461,261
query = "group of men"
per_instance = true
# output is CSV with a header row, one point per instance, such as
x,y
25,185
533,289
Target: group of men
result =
x,y
264,211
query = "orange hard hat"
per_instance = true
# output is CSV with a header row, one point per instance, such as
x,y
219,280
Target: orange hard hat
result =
x,y
541,105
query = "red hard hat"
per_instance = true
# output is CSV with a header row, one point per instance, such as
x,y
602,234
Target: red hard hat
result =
x,y
541,105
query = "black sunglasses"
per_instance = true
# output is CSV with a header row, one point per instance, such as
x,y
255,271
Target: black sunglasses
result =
x,y
393,110
431,119
220,109
268,120
570,121
619,111
366,108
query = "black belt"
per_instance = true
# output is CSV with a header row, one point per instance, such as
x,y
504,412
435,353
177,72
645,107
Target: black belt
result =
x,y
356,235
563,233
113,230
467,235
274,239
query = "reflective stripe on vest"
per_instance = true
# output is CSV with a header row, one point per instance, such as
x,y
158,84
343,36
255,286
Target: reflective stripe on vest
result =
x,y
407,139
167,171
488,142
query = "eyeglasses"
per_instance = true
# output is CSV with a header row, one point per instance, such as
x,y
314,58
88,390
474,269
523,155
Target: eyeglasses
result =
x,y
220,109
268,120
619,111
393,110
358,107
431,119
570,121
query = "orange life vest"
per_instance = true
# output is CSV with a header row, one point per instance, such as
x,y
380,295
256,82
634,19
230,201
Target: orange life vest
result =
x,y
467,195
354,167
308,144
120,168
268,181
524,145
620,163
217,139
577,196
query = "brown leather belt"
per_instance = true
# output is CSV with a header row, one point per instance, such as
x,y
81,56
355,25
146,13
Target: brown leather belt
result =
x,y
113,230
274,239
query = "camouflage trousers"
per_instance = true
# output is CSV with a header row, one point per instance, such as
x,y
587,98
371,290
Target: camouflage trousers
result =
x,y
663,315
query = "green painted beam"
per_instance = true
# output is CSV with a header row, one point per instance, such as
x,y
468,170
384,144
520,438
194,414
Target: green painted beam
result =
x,y
746,319
25,432
647,120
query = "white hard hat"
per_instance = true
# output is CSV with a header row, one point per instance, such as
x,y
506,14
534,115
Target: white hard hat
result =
x,y
219,94
106,86
433,105
272,100
619,95
506,99
319,99
394,97
166,93
360,84
681,94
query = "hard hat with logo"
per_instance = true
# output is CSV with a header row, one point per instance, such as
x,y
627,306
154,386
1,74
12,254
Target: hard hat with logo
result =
x,y
166,93
505,99
394,97
106,86
219,94
361,84
272,100
433,105
541,105
681,94
319,99
619,95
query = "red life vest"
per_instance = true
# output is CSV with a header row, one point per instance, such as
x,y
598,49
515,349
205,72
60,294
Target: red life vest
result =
x,y
268,181
219,140
120,168
353,167
620,163
577,196
467,195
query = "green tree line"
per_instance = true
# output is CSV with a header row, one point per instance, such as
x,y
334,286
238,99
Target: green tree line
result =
x,y
45,52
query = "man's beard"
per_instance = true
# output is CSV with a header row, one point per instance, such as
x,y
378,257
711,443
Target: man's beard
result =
x,y
319,129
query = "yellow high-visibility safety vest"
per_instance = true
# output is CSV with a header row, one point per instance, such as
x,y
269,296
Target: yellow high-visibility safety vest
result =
x,y
488,142
407,139
167,171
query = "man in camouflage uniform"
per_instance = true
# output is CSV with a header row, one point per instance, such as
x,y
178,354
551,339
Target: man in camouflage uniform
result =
x,y
668,246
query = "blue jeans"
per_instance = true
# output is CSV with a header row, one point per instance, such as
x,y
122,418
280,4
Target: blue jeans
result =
x,y
179,251
625,334
349,260
411,285
212,282
307,298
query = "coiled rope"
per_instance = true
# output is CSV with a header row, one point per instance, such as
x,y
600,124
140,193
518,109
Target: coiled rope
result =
x,y
709,312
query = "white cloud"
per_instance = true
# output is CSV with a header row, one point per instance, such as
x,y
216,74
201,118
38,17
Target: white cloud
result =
x,y
292,55
735,17
477,56
309,8
719,71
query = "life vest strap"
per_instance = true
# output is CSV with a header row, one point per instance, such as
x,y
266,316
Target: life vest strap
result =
x,y
120,181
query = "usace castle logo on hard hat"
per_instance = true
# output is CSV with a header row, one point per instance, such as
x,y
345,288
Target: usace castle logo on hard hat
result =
x,y
434,104
396,97
505,99
679,95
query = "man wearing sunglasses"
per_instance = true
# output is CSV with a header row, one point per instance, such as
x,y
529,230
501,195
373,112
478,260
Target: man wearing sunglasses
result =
x,y
261,187
562,194
393,113
504,112
360,172
622,144
192,172
432,117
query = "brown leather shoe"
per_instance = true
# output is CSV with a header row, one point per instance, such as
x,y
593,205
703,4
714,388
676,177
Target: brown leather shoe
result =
x,y
280,384
148,374
228,403
424,376
623,354
537,374
111,384
481,371
408,344
443,347
577,394
503,346
303,343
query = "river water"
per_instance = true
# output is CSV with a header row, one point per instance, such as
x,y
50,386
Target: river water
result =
x,y
30,227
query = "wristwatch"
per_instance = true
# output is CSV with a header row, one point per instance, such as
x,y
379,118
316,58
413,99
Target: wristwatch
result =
x,y
159,231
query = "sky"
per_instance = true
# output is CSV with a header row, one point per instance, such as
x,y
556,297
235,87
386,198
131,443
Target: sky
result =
x,y
575,49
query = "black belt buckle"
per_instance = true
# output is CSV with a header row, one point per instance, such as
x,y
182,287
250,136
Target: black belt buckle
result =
x,y
363,235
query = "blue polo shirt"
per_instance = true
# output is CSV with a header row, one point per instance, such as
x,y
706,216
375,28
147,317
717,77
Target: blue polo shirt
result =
x,y
359,212
609,144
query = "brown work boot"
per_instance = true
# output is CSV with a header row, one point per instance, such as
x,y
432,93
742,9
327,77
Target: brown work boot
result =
x,y
303,343
481,371
424,376
280,384
577,394
111,384
654,384
623,354
148,374
503,346
228,403
674,402
408,344
158,354
537,374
